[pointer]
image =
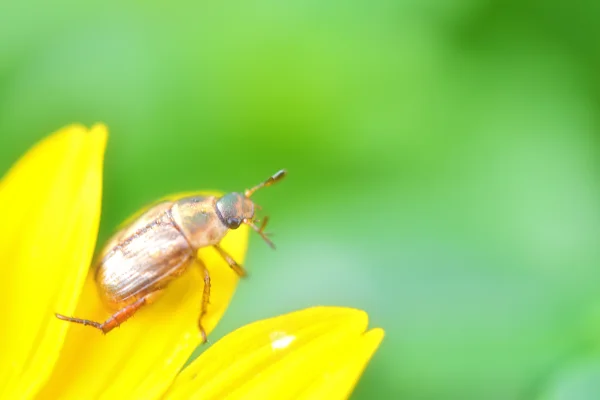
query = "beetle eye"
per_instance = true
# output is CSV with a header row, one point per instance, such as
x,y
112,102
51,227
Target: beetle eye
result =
x,y
234,223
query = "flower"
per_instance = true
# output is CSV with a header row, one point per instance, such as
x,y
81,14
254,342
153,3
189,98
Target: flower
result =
x,y
51,210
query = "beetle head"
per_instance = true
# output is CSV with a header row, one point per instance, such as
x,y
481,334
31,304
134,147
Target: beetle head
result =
x,y
234,208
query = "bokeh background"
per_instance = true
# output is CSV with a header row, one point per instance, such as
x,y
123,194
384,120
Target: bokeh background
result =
x,y
443,163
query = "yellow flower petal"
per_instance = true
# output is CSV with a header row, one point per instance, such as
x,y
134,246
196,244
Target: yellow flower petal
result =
x,y
50,202
318,353
141,358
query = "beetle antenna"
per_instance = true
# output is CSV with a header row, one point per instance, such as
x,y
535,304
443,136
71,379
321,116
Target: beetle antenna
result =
x,y
279,175
261,231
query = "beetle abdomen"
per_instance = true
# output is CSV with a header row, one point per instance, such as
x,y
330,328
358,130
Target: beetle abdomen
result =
x,y
144,257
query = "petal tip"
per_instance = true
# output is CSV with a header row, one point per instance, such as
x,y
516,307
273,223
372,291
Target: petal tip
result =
x,y
99,132
99,127
374,335
74,127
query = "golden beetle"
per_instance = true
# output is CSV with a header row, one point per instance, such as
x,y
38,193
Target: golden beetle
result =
x,y
140,260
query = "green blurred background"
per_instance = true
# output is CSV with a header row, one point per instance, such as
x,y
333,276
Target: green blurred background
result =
x,y
443,163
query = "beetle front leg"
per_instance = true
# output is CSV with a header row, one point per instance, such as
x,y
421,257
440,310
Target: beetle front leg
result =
x,y
234,266
117,318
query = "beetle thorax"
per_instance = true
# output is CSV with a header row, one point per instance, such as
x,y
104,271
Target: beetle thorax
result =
x,y
198,221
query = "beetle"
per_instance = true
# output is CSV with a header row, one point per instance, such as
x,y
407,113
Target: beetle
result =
x,y
140,260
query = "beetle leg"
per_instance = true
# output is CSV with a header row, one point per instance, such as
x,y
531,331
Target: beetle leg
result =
x,y
95,324
117,318
205,299
261,231
234,266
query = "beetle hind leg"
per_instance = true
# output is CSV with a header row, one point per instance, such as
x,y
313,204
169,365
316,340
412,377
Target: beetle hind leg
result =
x,y
117,318
95,324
